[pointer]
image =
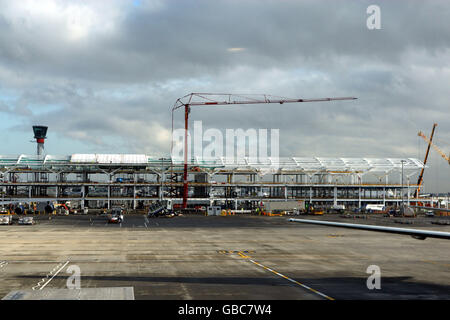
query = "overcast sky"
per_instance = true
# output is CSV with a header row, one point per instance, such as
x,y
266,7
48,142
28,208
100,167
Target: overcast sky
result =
x,y
103,75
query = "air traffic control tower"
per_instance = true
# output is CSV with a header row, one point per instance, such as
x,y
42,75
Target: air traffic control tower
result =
x,y
40,133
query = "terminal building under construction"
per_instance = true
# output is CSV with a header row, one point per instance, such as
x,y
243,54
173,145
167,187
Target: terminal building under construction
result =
x,y
135,180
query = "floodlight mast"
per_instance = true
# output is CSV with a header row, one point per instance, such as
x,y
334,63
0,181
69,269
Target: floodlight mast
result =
x,y
222,99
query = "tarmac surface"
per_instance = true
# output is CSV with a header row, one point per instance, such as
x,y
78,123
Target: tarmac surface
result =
x,y
232,257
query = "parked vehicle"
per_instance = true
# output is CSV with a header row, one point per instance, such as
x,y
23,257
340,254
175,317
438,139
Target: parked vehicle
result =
x,y
116,215
26,220
339,208
375,208
5,217
429,213
115,218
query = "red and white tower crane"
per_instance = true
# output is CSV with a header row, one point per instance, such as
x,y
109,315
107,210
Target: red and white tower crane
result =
x,y
222,99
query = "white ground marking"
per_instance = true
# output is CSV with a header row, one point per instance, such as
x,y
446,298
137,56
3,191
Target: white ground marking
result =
x,y
52,273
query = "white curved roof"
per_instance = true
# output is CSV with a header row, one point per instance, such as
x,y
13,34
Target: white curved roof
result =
x,y
302,164
315,164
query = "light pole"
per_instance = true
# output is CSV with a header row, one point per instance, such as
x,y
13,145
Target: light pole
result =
x,y
161,180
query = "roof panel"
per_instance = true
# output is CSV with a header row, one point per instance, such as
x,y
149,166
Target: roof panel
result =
x,y
110,158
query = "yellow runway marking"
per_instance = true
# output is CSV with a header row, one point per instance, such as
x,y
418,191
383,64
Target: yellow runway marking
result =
x,y
293,281
437,263
242,255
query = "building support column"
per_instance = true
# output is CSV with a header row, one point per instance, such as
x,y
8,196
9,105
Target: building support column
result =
x,y
83,196
285,188
310,189
163,180
109,191
335,195
408,191
359,197
134,197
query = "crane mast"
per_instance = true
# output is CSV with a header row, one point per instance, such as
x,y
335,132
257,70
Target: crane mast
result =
x,y
221,99
420,179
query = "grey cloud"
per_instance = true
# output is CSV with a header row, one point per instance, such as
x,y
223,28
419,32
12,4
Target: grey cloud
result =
x,y
112,90
190,38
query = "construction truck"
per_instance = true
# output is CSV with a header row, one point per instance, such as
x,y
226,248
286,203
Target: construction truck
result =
x,y
160,208
310,209
338,208
61,209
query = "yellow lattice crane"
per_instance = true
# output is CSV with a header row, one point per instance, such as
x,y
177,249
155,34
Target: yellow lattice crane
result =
x,y
443,155
420,179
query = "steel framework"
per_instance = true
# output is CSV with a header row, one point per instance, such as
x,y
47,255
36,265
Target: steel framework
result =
x,y
145,178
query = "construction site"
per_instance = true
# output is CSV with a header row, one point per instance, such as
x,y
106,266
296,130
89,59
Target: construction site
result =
x,y
134,181
224,159
101,181
217,228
